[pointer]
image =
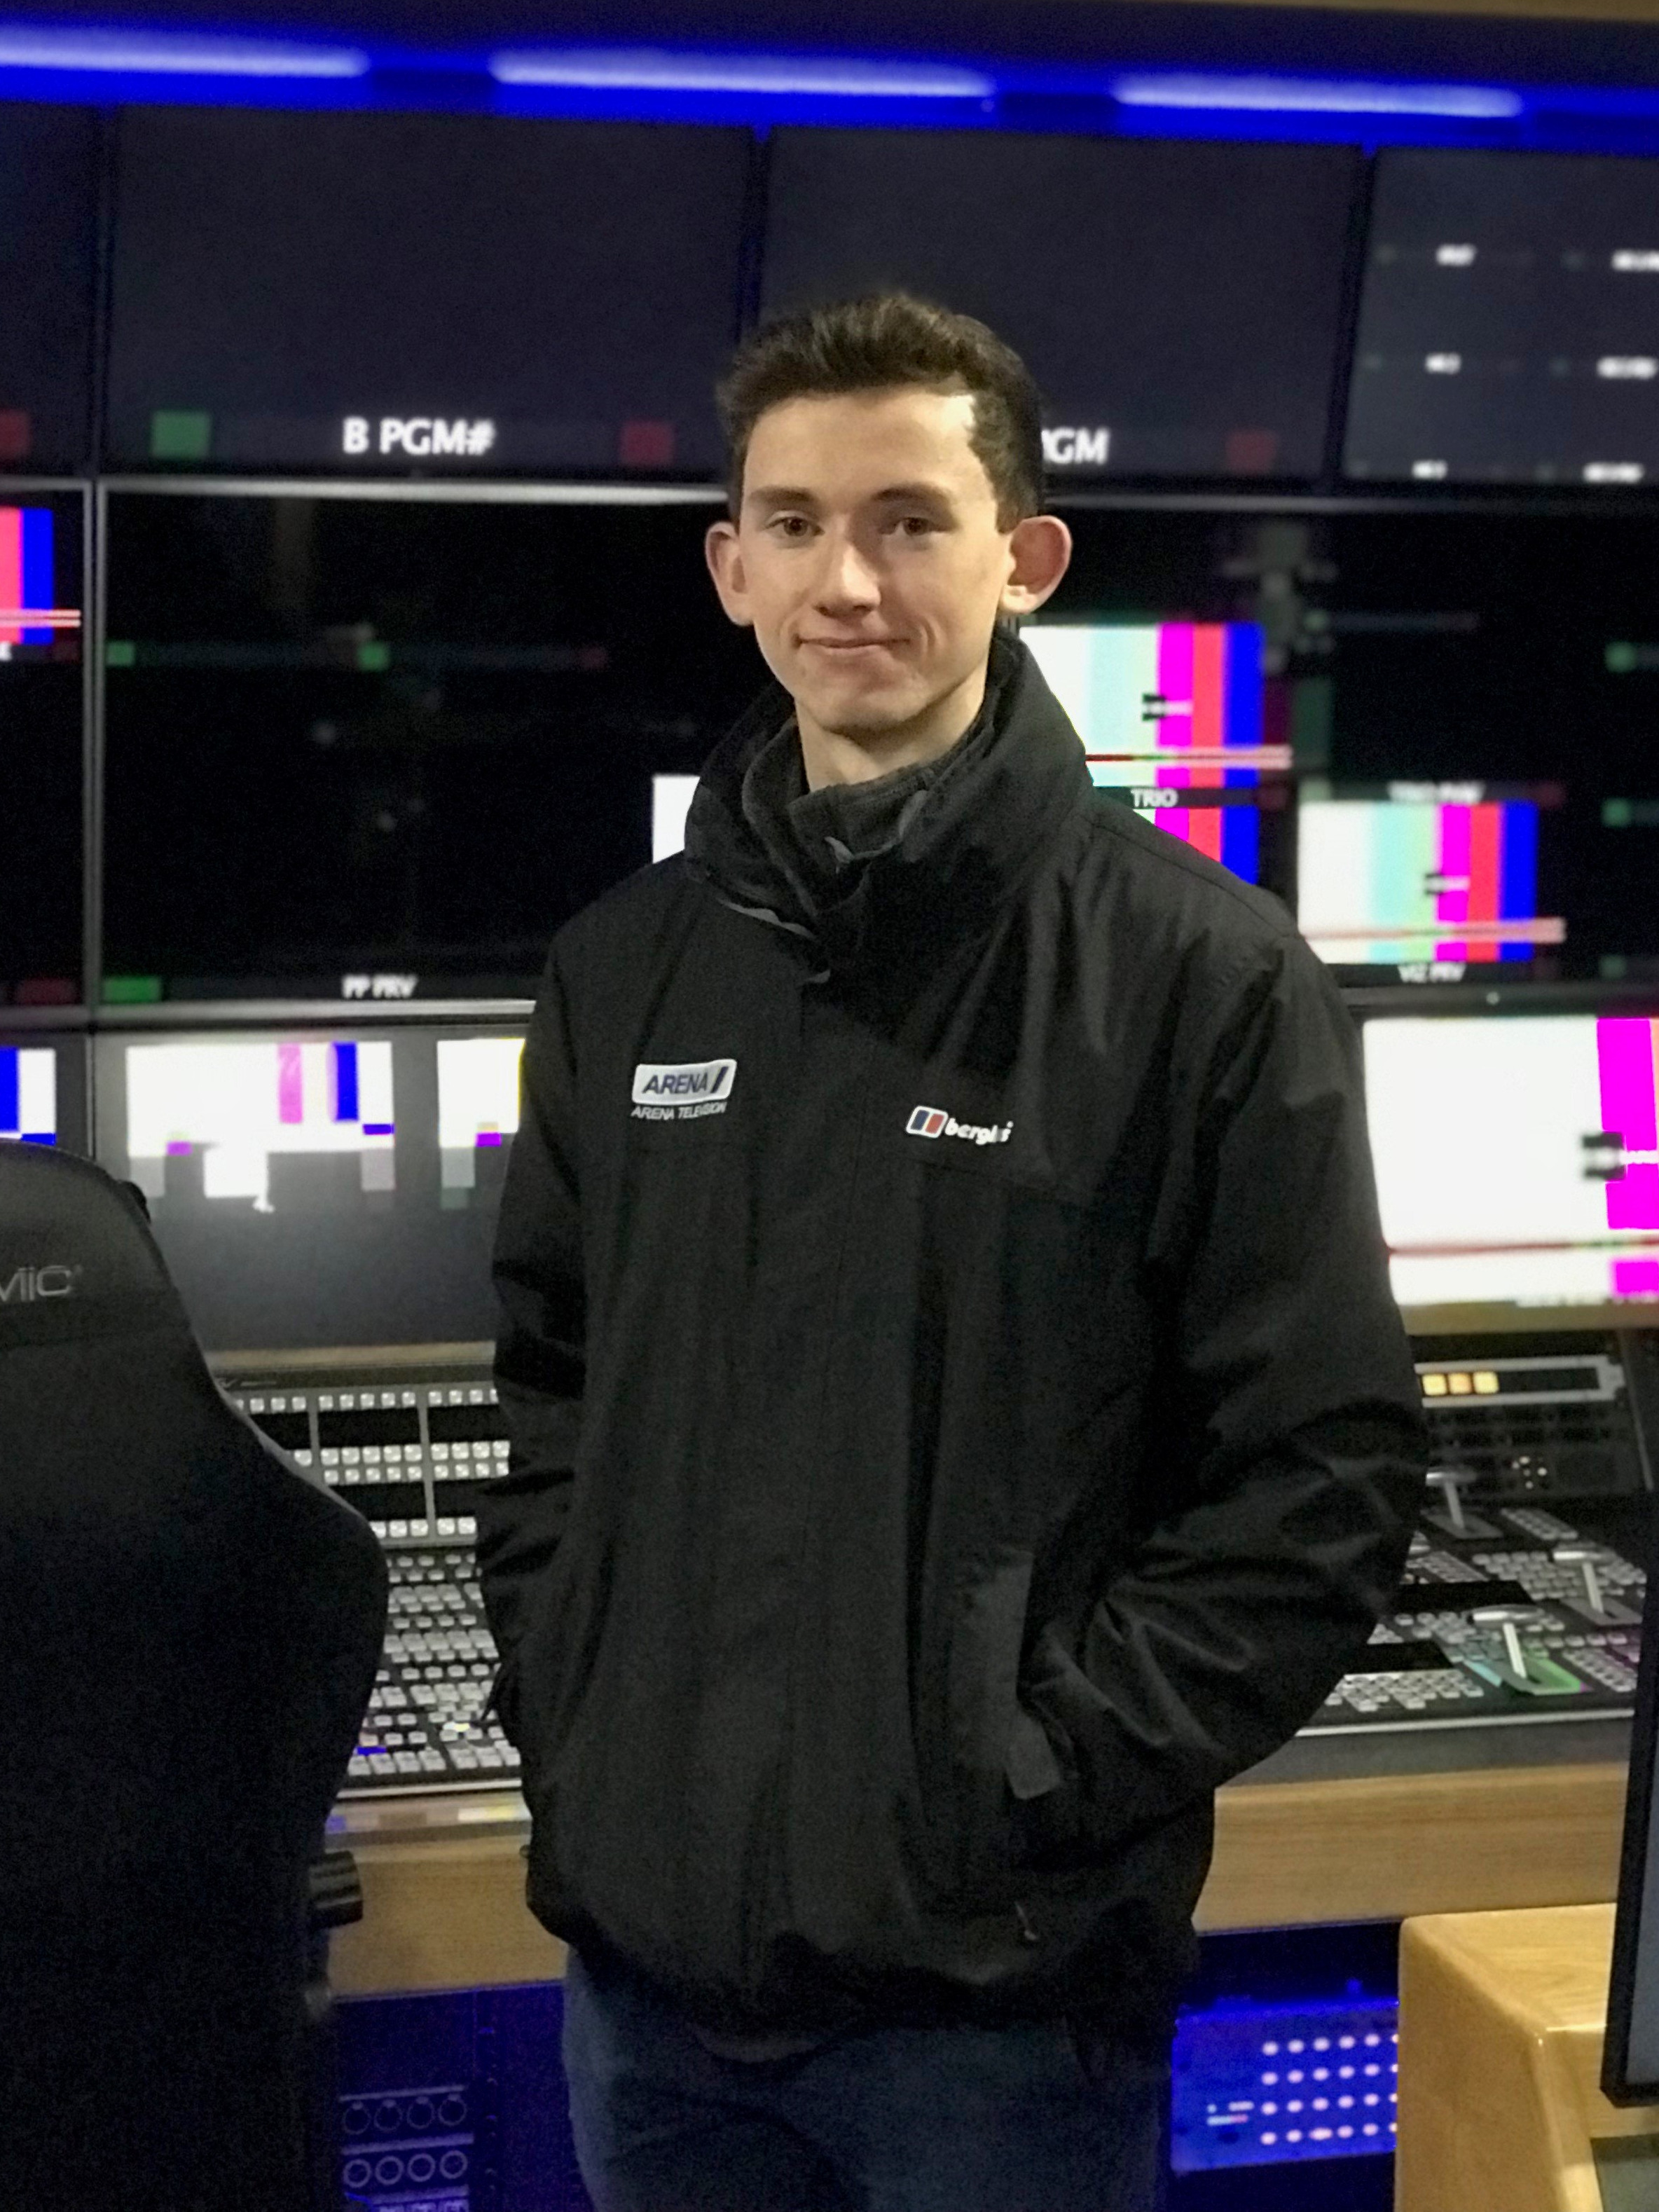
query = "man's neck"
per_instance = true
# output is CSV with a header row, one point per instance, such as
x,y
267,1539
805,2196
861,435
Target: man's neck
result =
x,y
859,756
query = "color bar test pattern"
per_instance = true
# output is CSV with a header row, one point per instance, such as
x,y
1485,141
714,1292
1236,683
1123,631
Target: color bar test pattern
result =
x,y
1175,705
28,572
1381,881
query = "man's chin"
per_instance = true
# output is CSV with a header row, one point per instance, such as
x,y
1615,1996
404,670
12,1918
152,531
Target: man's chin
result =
x,y
863,719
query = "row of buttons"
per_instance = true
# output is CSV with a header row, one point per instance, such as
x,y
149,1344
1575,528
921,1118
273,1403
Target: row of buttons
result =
x,y
457,1526
1369,1693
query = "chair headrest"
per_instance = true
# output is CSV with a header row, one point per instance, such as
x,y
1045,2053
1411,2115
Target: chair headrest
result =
x,y
77,1255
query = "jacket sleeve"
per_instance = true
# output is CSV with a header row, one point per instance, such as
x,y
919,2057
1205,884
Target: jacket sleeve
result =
x,y
1293,1447
539,1357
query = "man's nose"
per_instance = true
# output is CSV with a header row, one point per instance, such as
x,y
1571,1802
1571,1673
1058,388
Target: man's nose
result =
x,y
848,579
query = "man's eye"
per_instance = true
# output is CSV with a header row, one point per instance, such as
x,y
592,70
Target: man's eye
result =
x,y
791,526
917,525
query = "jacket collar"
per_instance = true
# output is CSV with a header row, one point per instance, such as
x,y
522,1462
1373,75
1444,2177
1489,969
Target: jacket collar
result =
x,y
961,855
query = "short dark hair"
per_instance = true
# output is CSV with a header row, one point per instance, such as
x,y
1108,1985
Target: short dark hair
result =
x,y
886,339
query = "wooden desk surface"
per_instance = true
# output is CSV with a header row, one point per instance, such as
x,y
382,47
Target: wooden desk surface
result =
x,y
443,1878
1502,2017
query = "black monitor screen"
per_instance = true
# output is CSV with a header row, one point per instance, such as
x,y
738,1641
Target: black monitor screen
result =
x,y
1458,708
1178,303
446,293
384,747
48,233
1509,327
41,720
43,1088
319,1187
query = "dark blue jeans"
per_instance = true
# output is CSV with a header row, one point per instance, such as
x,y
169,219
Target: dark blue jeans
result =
x,y
1027,2118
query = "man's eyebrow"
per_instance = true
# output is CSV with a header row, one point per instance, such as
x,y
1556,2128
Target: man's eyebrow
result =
x,y
891,495
780,496
936,493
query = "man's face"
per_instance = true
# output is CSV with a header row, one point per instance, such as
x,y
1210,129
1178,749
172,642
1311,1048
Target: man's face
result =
x,y
868,558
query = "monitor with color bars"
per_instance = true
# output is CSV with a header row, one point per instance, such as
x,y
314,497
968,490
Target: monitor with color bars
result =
x,y
237,1102
1518,1156
28,579
1421,876
28,1094
1174,705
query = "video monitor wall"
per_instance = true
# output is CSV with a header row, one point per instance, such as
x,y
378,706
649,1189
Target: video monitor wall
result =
x,y
378,292
1508,324
319,1187
48,240
1517,1158
1178,302
42,719
1452,770
416,737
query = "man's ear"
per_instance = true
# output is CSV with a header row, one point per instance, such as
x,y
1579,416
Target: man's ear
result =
x,y
1040,549
724,554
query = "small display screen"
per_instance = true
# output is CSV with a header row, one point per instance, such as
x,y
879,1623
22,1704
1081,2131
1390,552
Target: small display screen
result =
x,y
42,715
1177,704
300,1191
48,238
1177,302
1174,720
1421,874
1509,326
417,737
447,294
1517,1158
43,1088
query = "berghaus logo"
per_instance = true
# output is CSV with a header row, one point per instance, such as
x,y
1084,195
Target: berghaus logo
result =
x,y
25,1285
934,1121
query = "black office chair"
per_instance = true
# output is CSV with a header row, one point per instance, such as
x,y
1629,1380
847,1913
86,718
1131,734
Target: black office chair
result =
x,y
189,1630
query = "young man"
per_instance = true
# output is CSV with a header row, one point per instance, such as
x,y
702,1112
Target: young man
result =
x,y
959,1414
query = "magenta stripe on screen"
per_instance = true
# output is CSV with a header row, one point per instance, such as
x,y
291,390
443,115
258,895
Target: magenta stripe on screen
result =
x,y
290,1085
1454,906
1175,681
1624,1050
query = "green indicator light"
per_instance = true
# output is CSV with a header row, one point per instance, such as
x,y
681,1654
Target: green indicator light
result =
x,y
132,990
1621,660
1617,814
120,653
374,659
180,434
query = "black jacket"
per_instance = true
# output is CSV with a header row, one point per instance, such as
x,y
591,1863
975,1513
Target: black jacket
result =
x,y
952,1440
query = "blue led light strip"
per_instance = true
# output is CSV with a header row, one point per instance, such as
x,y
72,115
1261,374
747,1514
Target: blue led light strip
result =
x,y
648,68
172,53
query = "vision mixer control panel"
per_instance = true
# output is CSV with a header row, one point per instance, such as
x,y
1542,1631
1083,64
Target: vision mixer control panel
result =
x,y
409,1451
1521,1601
1519,1604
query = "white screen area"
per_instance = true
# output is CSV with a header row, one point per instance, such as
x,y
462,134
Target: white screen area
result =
x,y
477,1102
1478,1130
671,802
237,1103
1484,1135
